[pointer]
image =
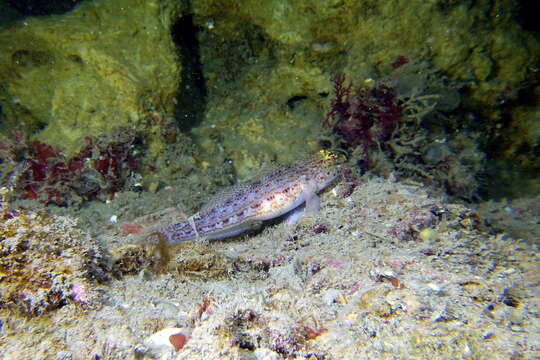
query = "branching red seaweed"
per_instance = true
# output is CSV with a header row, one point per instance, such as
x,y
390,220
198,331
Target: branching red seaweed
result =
x,y
362,116
100,167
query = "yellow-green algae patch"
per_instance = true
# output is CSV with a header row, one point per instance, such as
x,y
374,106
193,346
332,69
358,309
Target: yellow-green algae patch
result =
x,y
453,34
258,57
258,124
89,71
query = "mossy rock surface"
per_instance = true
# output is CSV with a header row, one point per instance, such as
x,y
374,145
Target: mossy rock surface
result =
x,y
89,71
261,58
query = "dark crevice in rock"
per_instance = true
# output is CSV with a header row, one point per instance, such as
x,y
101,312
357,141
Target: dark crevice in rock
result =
x,y
42,7
527,15
192,94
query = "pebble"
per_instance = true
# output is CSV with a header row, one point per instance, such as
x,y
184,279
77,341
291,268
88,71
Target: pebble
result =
x,y
168,339
428,234
330,296
435,288
266,354
152,187
374,301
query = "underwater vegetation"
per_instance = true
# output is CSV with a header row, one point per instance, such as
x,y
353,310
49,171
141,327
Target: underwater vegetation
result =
x,y
100,168
78,81
363,116
404,124
213,90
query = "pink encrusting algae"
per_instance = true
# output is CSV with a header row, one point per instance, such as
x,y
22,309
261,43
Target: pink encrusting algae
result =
x,y
245,206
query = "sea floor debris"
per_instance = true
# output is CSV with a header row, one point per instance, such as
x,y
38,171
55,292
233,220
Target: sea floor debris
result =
x,y
391,271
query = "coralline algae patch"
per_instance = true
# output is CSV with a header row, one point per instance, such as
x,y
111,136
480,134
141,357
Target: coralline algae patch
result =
x,y
45,263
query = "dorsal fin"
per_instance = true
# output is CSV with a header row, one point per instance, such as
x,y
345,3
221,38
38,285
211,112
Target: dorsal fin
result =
x,y
223,195
272,169
236,190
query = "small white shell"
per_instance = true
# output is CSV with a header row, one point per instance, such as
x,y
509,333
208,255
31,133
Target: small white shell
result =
x,y
159,341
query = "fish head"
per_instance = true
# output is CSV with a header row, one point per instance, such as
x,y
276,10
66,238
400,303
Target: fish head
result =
x,y
326,168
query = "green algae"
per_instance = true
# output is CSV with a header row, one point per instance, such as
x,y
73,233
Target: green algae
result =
x,y
265,69
477,46
88,72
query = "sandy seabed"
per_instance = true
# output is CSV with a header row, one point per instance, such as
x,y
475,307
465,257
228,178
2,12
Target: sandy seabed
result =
x,y
389,272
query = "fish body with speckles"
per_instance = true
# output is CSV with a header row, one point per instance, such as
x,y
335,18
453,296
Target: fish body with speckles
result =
x,y
245,206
